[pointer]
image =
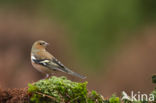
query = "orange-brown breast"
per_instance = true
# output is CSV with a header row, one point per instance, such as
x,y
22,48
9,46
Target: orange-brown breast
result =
x,y
44,55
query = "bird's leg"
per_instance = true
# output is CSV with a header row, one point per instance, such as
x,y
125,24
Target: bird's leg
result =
x,y
47,76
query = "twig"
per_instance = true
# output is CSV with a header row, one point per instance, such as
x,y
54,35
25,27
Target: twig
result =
x,y
53,98
74,99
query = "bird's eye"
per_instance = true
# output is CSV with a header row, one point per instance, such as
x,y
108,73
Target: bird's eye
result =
x,y
41,43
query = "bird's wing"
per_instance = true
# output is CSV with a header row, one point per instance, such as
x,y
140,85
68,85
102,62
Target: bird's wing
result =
x,y
54,64
43,62
59,66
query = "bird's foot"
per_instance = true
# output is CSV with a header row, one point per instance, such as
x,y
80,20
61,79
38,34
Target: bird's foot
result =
x,y
47,76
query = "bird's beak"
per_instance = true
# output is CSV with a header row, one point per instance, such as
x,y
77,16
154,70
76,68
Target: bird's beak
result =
x,y
46,44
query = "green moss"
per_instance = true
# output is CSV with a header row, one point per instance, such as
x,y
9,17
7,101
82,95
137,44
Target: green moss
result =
x,y
60,89
94,96
114,99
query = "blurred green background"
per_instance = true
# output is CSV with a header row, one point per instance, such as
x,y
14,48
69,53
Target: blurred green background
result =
x,y
112,42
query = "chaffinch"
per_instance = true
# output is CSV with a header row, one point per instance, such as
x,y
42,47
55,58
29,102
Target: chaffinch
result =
x,y
45,62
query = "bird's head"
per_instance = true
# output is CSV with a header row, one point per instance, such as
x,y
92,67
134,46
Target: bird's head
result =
x,y
40,44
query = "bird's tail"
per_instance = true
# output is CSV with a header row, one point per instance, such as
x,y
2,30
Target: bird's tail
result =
x,y
75,74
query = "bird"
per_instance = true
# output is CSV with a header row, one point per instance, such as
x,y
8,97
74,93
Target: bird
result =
x,y
46,63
